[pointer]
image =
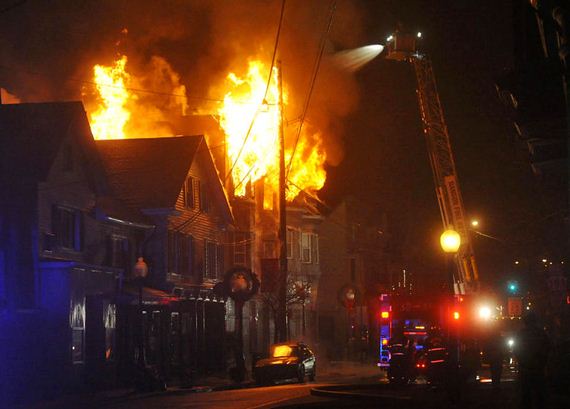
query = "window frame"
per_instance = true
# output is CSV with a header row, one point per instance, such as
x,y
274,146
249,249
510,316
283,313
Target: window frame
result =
x,y
67,237
189,193
306,249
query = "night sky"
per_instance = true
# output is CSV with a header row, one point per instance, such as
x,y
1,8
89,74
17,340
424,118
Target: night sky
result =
x,y
371,117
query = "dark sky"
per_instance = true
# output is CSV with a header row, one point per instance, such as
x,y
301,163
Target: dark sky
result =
x,y
470,44
47,50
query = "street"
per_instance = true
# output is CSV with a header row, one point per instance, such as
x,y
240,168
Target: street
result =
x,y
341,386
259,397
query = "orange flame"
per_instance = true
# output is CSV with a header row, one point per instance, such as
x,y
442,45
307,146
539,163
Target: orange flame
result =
x,y
127,106
254,156
109,120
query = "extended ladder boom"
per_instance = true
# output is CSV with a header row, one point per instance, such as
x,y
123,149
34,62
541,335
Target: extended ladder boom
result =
x,y
403,48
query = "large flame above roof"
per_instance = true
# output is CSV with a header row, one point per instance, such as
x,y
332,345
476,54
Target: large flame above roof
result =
x,y
251,124
125,105
108,121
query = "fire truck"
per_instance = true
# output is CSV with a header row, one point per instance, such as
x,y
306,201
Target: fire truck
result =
x,y
403,47
413,317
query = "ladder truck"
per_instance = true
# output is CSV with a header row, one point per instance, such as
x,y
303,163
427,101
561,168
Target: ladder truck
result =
x,y
403,47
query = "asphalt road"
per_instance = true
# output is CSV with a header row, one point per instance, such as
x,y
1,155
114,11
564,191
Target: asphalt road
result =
x,y
250,398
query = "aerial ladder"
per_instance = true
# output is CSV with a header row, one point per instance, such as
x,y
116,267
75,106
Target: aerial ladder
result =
x,y
403,47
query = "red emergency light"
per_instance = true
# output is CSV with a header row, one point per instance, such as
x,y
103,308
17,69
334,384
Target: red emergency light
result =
x,y
385,314
456,315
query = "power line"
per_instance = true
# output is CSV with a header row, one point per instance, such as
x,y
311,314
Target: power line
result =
x,y
266,89
313,81
131,89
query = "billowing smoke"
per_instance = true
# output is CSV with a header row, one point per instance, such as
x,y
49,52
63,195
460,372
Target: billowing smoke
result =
x,y
48,50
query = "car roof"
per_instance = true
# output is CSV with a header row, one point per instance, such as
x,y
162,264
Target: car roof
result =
x,y
291,344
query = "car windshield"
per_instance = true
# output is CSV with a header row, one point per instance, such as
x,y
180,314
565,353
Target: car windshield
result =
x,y
280,351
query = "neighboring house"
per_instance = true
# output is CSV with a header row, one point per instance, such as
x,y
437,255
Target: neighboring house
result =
x,y
75,215
304,268
352,254
57,278
174,182
303,271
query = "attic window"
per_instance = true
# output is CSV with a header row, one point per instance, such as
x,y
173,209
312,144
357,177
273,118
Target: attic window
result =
x,y
189,192
204,198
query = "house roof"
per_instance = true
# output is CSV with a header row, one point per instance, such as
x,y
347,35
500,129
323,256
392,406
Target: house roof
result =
x,y
148,173
31,136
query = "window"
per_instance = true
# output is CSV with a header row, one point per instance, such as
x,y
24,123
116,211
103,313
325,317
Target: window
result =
x,y
315,248
189,192
180,253
118,252
210,260
204,198
109,320
67,227
306,247
220,261
77,324
269,249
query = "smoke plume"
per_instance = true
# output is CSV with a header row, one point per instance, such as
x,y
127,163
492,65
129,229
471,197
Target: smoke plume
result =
x,y
48,50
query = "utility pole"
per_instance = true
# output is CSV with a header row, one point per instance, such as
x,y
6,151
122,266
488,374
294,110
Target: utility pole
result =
x,y
282,287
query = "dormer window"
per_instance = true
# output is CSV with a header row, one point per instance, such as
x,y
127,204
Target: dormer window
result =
x,y
204,198
189,193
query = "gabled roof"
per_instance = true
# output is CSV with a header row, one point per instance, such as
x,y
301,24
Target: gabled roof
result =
x,y
148,173
31,136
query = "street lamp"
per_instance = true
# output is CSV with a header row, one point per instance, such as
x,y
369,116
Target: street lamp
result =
x,y
450,241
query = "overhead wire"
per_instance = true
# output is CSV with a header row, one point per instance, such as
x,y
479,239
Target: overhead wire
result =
x,y
266,89
312,83
131,89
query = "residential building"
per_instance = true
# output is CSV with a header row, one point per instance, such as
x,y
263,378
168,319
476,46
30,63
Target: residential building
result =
x,y
58,279
354,271
174,183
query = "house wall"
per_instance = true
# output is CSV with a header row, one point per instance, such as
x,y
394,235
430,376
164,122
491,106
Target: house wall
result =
x,y
352,253
203,226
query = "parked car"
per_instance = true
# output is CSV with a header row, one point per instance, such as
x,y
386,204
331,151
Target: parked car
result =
x,y
291,360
